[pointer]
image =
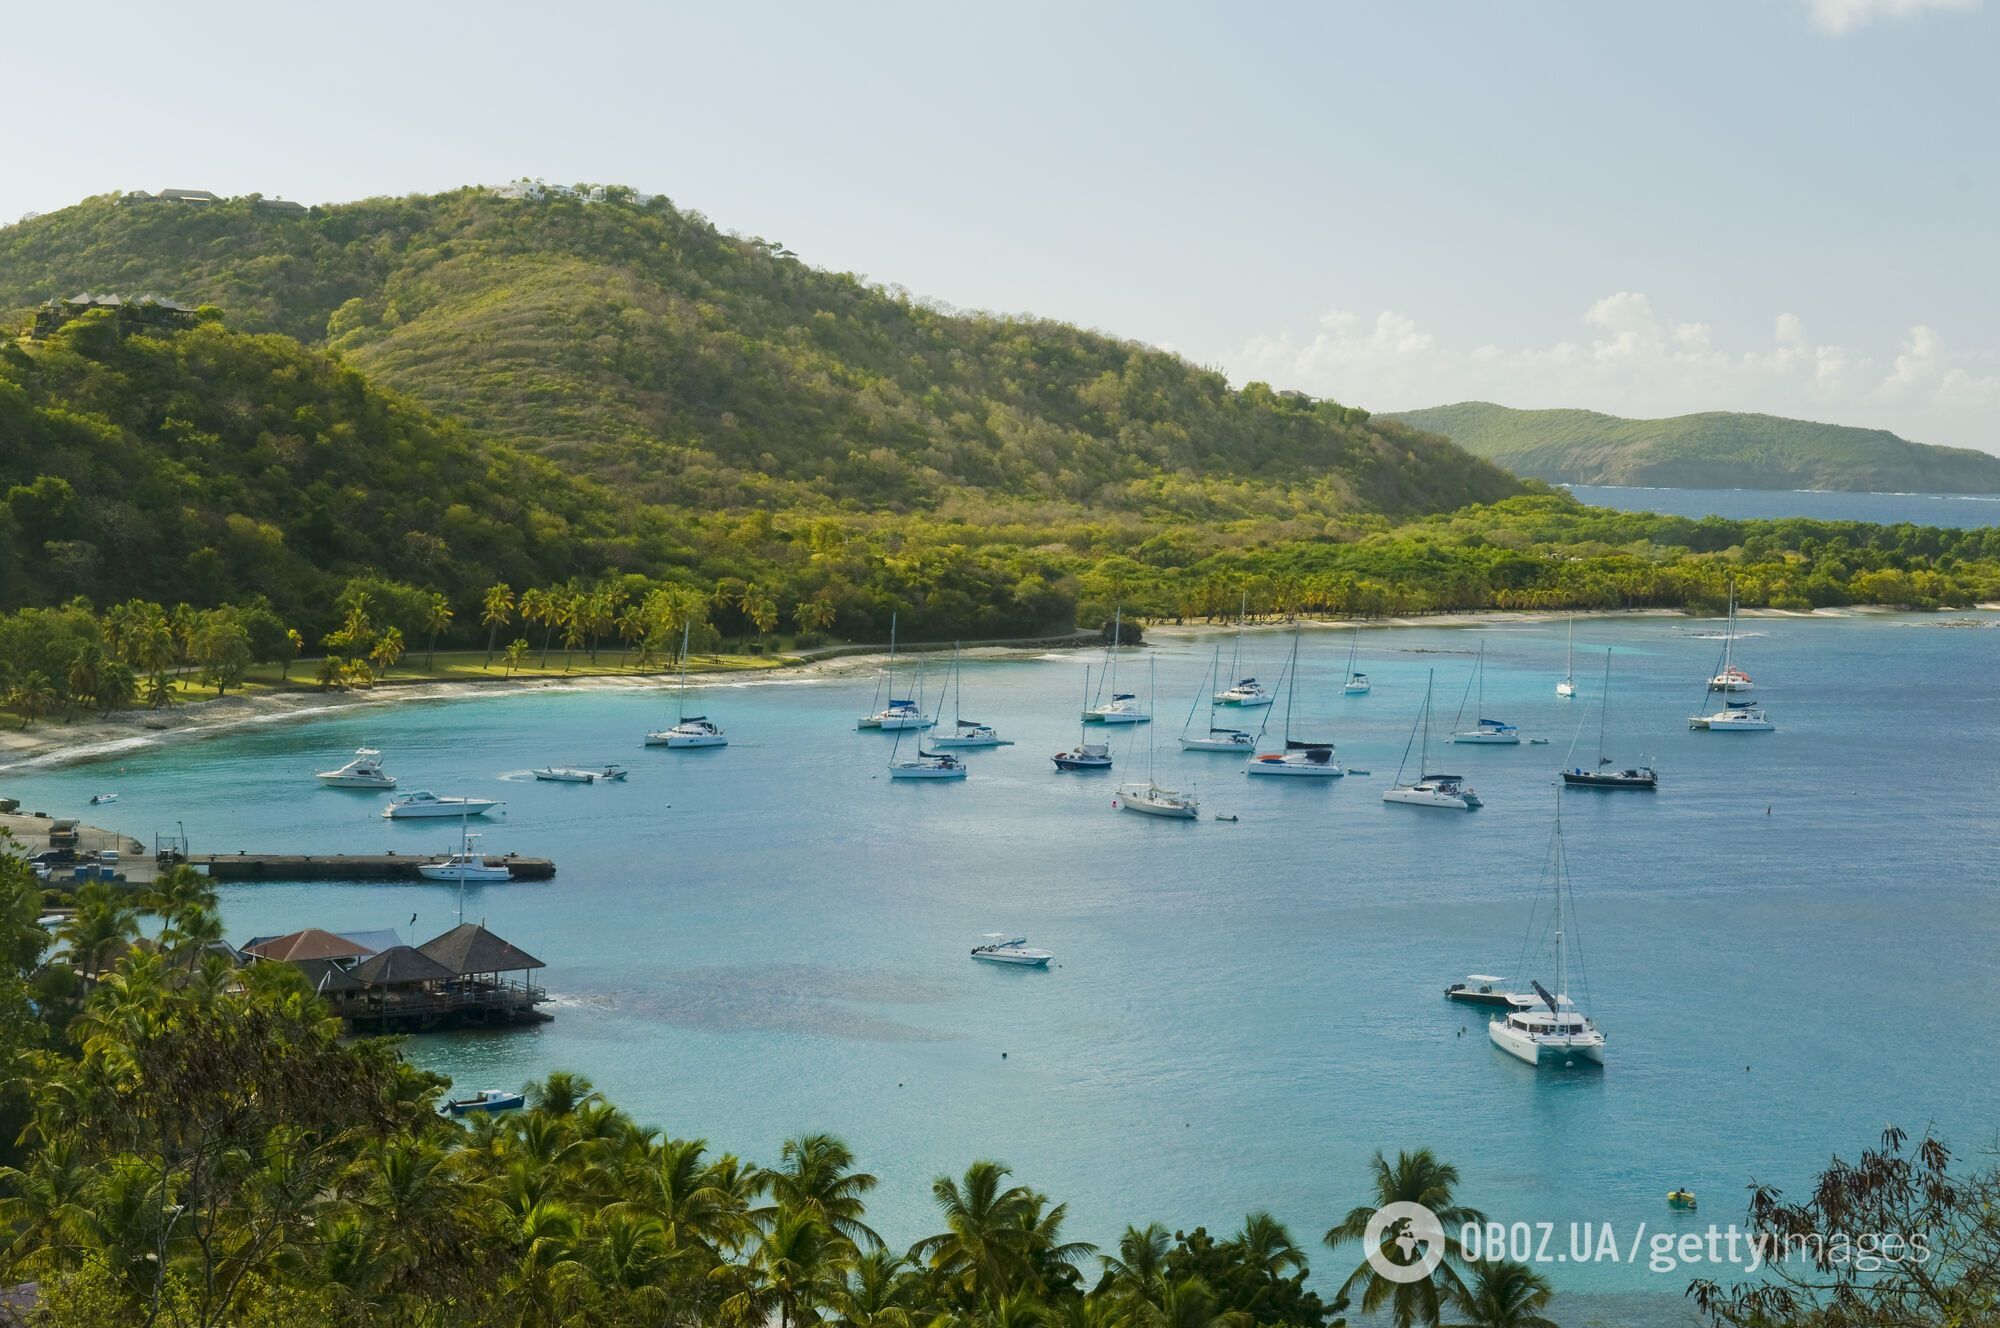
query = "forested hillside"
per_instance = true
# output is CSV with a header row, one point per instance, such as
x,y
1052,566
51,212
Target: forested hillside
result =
x,y
1713,450
640,345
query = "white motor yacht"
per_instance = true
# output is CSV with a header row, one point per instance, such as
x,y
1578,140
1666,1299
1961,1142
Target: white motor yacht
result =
x,y
424,804
363,772
465,865
1000,948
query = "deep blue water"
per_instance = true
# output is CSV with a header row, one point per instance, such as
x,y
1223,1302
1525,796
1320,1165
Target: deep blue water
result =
x,y
772,938
1923,509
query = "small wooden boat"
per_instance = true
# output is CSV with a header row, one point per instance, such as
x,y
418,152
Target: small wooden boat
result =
x,y
488,1100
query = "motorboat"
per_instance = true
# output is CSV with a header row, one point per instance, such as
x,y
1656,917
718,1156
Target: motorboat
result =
x,y
1549,1029
363,772
1001,948
1123,707
1479,989
1152,800
1567,687
688,730
411,806
569,774
928,765
1489,731
1244,693
492,1100
465,866
1085,756
1734,717
1299,759
1605,774
1429,790
965,733
98,799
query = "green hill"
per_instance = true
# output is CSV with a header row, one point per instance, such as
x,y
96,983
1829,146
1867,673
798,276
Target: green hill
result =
x,y
1712,450
638,344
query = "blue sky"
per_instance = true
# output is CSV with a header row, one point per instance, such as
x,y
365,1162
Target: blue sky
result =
x,y
1782,205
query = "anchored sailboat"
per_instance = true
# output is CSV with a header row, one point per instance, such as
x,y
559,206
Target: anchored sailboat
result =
x,y
1551,1030
1244,692
928,764
1604,774
1085,755
1729,678
1311,760
899,713
688,730
1215,738
1567,687
1149,799
1123,707
1357,683
1429,790
1490,731
965,732
1735,716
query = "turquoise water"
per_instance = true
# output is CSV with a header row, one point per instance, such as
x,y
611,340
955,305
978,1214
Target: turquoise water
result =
x,y
771,938
1923,509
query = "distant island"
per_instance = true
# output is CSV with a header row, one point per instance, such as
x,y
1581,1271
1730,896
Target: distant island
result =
x,y
1711,450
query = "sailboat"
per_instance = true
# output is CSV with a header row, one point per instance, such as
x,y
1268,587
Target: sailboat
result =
x,y
1244,693
899,713
1429,790
1484,730
1567,687
688,730
1551,1029
1729,678
1149,799
1085,755
928,764
1357,683
1310,760
1123,707
1604,774
965,732
1216,739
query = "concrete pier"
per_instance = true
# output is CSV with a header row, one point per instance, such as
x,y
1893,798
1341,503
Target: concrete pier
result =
x,y
346,866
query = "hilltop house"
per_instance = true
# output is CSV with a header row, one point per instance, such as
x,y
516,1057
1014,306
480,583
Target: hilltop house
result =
x,y
141,313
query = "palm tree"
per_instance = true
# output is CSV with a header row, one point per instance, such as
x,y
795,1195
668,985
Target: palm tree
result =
x,y
159,691
815,614
294,643
793,1270
496,610
332,672
817,1176
991,1228
1417,1178
517,652
86,671
1187,1302
32,696
537,608
1141,1259
1504,1295
882,1291
103,924
1266,1244
388,648
437,617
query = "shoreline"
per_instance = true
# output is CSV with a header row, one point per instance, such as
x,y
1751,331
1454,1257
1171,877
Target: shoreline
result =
x,y
92,737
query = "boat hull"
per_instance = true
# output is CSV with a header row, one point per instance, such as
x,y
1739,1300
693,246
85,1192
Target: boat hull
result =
x,y
508,1102
1480,737
1546,1051
1116,717
1218,745
433,871
1412,797
1645,782
1082,763
1243,703
1165,811
685,741
1285,768
868,722
1356,689
1017,960
356,781
437,811
964,743
926,772
1474,996
1565,689
1722,724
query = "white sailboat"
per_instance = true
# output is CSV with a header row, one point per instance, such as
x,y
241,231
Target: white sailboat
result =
x,y
1357,683
363,772
1489,731
899,713
1123,707
1429,790
965,732
1215,738
1149,799
928,764
1245,693
688,730
1567,687
1085,755
1551,1030
1730,678
1734,716
1299,759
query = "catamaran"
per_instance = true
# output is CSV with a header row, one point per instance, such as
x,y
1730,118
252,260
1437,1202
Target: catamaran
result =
x,y
363,772
1567,687
1123,707
1484,730
1604,774
1357,683
1085,755
965,732
688,730
1551,1030
1245,693
1729,678
1149,799
1217,738
1000,948
1429,790
1309,760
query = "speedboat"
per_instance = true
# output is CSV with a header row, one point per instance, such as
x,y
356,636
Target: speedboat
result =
x,y
693,731
1001,948
465,866
1085,756
364,771
1122,708
1435,791
565,774
406,806
1311,762
1489,731
487,1099
97,799
928,765
1220,740
971,733
1245,693
1734,717
1479,989
1152,800
1555,1033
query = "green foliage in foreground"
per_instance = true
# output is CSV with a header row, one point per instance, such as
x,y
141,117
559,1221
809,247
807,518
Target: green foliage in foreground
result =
x,y
1712,450
640,345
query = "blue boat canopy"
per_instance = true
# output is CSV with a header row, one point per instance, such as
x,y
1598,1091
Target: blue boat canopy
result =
x,y
1124,696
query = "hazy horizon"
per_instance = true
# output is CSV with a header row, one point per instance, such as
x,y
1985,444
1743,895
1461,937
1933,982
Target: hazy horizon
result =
x,y
1768,207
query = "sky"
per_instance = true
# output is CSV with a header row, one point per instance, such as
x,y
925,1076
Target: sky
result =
x,y
1647,209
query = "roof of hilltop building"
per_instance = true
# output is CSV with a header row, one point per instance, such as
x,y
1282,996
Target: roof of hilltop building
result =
x,y
310,943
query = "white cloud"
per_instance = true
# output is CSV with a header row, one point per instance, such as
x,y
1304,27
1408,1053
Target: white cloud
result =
x,y
1837,18
1630,360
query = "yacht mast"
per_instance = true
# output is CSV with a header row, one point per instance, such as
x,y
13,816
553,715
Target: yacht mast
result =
x,y
1236,650
1603,715
682,698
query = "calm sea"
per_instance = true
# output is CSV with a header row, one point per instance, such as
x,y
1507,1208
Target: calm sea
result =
x,y
1924,509
1795,942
